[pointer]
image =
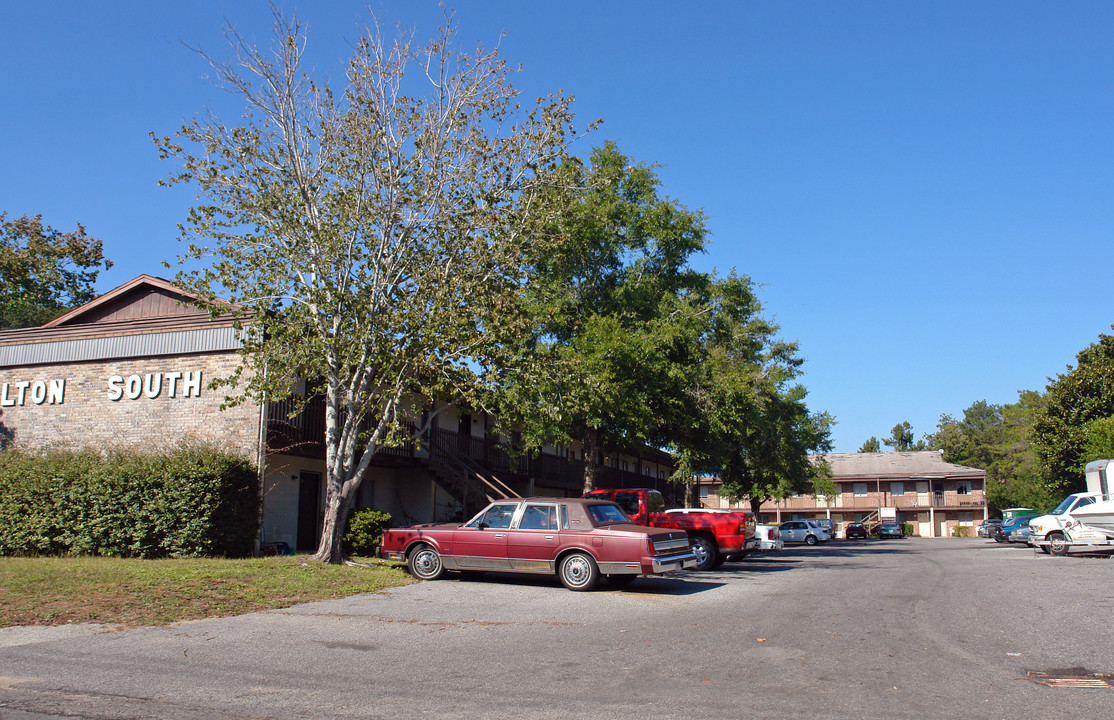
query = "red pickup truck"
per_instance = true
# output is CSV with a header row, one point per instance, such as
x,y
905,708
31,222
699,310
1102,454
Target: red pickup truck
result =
x,y
716,535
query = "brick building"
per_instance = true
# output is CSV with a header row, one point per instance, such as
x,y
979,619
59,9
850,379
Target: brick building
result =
x,y
132,369
918,488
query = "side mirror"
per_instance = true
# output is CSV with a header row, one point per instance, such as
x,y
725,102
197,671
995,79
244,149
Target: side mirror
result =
x,y
482,526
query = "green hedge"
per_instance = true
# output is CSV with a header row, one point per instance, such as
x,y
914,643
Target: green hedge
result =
x,y
189,502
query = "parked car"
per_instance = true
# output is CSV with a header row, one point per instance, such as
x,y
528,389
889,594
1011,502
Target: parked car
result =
x,y
988,527
578,540
1020,534
889,529
806,531
855,530
769,537
827,525
1002,532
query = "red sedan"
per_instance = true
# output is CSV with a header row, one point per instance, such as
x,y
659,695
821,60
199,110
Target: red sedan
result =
x,y
578,540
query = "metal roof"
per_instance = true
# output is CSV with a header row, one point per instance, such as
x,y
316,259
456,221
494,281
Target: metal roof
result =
x,y
180,342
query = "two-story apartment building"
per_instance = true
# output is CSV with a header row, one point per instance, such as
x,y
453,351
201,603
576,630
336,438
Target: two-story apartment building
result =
x,y
133,368
918,488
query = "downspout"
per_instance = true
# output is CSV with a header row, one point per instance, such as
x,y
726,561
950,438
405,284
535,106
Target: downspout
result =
x,y
261,458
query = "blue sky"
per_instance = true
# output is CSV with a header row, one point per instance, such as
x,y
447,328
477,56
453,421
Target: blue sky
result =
x,y
922,190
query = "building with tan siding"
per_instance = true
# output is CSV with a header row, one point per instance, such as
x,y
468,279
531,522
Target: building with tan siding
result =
x,y
918,488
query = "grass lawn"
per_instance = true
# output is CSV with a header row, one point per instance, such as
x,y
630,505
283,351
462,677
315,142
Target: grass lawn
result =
x,y
131,593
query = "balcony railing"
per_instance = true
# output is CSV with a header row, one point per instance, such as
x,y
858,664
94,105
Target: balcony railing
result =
x,y
872,501
302,433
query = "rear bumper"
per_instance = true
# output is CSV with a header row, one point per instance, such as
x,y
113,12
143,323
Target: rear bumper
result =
x,y
680,561
651,565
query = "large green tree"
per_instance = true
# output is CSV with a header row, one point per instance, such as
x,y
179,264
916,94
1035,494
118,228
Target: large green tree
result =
x,y
612,300
996,438
43,271
745,418
1069,430
374,230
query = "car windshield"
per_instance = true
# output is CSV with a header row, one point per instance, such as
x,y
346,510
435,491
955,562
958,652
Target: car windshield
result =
x,y
607,514
1063,507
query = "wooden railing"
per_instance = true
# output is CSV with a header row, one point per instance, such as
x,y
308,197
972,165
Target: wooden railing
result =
x,y
302,433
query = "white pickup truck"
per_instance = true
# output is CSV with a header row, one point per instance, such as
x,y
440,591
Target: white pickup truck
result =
x,y
1083,522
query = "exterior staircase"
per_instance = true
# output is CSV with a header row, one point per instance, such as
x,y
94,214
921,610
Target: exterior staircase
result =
x,y
462,477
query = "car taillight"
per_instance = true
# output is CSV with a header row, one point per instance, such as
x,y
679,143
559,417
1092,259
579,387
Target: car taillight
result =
x,y
650,546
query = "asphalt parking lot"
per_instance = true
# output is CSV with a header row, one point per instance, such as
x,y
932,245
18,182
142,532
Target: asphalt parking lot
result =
x,y
912,628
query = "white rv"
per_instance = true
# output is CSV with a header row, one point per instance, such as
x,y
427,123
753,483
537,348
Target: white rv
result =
x,y
1083,522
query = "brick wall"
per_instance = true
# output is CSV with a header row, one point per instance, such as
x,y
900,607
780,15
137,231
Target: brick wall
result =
x,y
142,402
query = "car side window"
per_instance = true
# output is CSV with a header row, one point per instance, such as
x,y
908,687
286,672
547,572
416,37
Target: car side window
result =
x,y
539,517
498,517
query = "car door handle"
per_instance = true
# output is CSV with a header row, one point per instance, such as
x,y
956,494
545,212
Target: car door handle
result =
x,y
500,535
548,537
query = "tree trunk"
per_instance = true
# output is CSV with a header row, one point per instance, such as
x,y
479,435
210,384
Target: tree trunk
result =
x,y
591,458
337,507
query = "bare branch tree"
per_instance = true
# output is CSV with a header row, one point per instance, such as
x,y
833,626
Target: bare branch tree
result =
x,y
375,230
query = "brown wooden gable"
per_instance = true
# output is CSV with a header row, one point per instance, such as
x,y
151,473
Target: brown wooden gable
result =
x,y
144,298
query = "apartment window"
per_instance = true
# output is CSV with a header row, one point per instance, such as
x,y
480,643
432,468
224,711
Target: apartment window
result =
x,y
962,487
966,519
897,489
860,489
703,491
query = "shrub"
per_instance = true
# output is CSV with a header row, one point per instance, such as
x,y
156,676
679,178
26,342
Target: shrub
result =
x,y
187,502
961,531
365,530
907,528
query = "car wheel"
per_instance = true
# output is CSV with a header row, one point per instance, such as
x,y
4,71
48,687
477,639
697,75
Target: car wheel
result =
x,y
706,552
425,563
1057,544
810,539
620,581
578,571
